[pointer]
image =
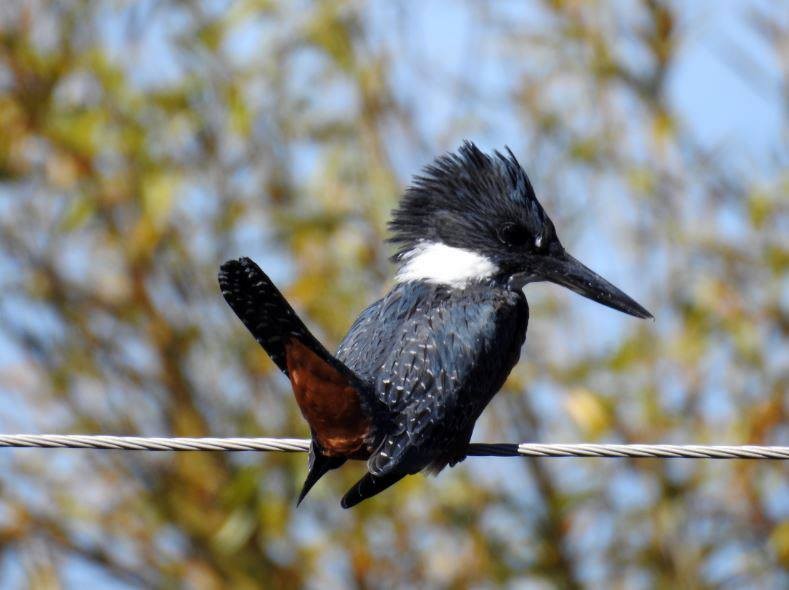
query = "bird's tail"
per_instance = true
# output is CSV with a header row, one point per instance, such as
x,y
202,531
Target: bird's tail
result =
x,y
335,403
264,311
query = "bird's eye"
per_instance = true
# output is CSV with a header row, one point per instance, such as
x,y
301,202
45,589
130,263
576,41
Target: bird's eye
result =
x,y
513,234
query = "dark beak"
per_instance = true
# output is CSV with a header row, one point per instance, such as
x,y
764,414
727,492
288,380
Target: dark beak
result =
x,y
565,270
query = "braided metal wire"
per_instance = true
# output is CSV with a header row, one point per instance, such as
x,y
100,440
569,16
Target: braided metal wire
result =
x,y
294,445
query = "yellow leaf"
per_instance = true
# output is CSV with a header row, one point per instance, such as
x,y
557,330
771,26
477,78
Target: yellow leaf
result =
x,y
779,539
157,196
588,411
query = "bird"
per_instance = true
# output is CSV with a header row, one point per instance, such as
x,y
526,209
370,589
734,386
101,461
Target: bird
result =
x,y
417,368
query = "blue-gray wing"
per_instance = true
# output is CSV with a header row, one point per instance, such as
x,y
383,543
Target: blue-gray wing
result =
x,y
435,359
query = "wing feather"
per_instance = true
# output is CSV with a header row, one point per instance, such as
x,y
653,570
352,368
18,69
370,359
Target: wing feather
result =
x,y
435,361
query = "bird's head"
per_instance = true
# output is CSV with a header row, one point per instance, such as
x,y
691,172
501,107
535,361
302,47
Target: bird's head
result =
x,y
473,217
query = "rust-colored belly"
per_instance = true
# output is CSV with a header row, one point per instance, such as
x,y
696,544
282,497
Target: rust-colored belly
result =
x,y
329,403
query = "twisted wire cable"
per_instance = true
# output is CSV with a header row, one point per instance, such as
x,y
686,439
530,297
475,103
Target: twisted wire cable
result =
x,y
295,445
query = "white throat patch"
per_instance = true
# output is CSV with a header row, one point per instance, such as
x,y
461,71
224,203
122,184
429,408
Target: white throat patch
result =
x,y
438,263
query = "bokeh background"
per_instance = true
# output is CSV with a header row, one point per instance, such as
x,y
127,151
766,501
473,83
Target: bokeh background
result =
x,y
143,143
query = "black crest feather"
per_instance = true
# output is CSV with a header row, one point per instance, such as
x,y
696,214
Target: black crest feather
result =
x,y
459,194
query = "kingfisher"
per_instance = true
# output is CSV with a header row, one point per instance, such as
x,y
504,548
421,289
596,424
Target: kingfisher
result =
x,y
417,367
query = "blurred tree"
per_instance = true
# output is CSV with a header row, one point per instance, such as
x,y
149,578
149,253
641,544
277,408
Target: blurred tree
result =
x,y
142,144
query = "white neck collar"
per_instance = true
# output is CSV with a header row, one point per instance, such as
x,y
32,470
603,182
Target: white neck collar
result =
x,y
440,264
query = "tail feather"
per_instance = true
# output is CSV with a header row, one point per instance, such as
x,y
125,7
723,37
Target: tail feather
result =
x,y
369,486
337,405
263,309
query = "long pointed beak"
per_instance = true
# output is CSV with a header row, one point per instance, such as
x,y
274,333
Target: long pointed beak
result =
x,y
567,271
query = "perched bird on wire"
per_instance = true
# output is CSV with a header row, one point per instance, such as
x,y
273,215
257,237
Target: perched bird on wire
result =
x,y
418,367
